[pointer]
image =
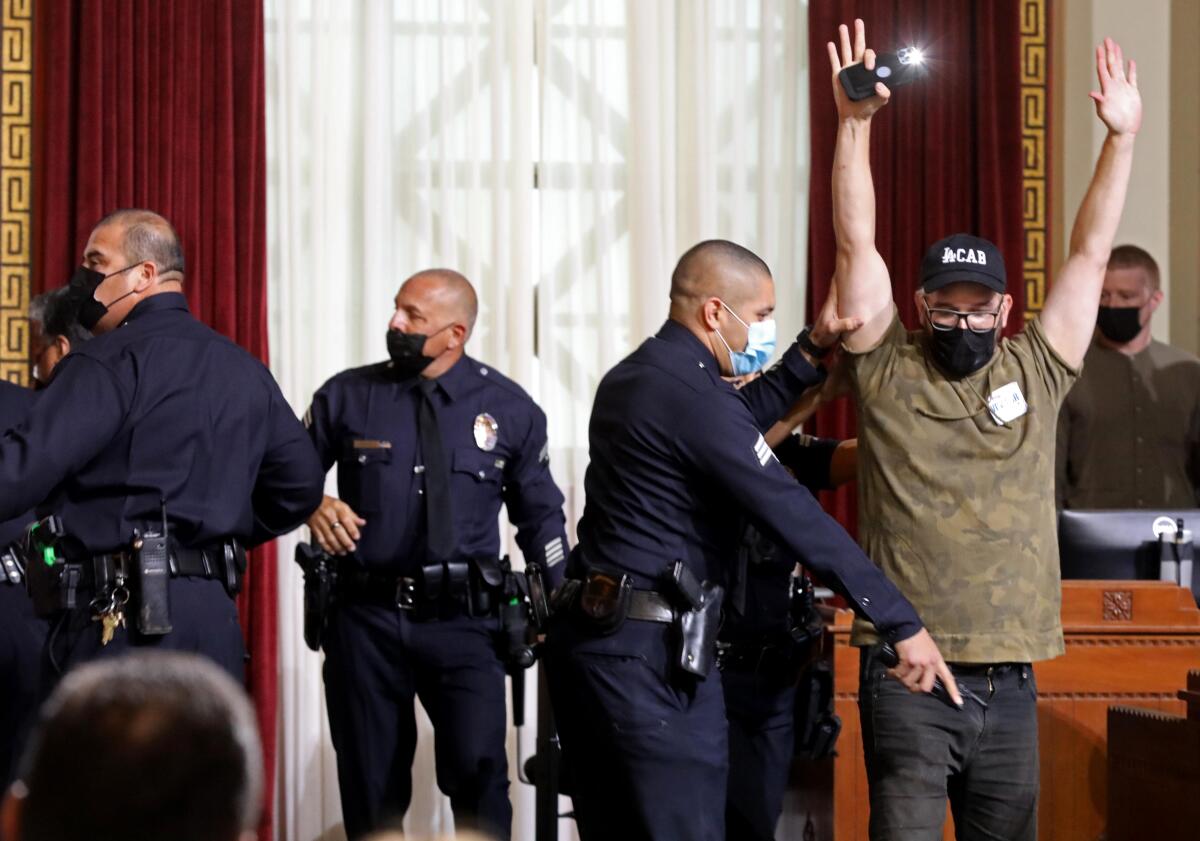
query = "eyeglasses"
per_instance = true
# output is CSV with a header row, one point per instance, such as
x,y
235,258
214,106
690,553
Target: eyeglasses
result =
x,y
947,319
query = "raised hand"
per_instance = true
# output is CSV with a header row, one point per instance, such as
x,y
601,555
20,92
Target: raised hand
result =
x,y
828,328
1118,103
847,109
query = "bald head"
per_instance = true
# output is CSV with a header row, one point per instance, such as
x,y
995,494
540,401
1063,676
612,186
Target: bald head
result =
x,y
143,235
439,304
450,292
717,290
716,268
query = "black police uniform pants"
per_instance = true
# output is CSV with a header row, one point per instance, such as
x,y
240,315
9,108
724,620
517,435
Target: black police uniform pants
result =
x,y
377,659
762,734
204,621
645,748
22,636
919,752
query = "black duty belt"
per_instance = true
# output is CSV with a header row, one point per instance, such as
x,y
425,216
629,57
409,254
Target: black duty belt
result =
x,y
644,605
377,588
651,606
217,561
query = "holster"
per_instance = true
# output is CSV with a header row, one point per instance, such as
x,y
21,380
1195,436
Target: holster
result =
x,y
698,632
51,581
515,638
320,584
604,599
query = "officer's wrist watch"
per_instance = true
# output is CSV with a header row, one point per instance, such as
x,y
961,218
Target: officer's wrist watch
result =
x,y
809,346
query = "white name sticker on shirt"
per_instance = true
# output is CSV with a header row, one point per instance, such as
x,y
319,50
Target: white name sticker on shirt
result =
x,y
1007,403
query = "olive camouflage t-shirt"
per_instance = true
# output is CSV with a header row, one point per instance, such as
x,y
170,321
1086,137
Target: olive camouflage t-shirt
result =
x,y
956,499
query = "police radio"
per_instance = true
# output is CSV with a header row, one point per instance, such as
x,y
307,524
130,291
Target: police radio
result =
x,y
902,67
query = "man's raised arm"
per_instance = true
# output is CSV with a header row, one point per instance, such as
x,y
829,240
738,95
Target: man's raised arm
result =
x,y
1069,317
863,285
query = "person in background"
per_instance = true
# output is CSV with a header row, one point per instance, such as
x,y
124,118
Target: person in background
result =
x,y
429,445
54,330
1129,432
155,746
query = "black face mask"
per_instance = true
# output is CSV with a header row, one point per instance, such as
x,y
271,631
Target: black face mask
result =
x,y
407,353
83,285
1119,324
962,352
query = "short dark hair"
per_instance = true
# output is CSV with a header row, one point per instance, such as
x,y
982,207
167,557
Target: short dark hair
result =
x,y
58,313
147,236
157,746
1134,257
690,278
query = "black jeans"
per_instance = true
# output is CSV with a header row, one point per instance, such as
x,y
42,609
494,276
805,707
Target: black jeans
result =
x,y
919,752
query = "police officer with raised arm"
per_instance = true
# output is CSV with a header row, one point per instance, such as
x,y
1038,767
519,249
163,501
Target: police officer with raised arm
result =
x,y
162,449
428,446
677,458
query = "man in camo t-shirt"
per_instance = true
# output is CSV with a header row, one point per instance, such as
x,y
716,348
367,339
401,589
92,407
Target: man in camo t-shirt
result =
x,y
956,475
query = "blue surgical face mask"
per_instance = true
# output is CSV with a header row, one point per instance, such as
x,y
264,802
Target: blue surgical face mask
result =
x,y
760,345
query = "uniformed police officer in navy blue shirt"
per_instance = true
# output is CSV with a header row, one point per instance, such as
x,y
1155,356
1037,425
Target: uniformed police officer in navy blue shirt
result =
x,y
54,330
21,633
677,457
157,416
428,446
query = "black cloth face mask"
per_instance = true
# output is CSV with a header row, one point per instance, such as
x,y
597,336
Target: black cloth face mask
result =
x,y
1119,324
407,351
83,285
961,352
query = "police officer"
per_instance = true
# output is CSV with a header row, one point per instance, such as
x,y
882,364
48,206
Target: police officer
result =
x,y
54,328
677,456
428,446
158,416
21,633
767,640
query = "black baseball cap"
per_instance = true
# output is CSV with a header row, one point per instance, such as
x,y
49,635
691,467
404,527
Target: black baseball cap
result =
x,y
962,257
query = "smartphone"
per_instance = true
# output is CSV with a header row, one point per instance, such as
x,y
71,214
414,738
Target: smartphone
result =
x,y
893,69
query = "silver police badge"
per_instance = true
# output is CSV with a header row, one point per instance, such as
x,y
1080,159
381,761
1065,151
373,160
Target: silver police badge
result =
x,y
486,432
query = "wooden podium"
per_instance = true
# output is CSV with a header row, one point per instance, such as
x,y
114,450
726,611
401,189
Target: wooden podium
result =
x,y
1129,643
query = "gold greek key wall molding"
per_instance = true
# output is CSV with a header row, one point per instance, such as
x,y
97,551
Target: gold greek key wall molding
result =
x,y
16,185
1035,122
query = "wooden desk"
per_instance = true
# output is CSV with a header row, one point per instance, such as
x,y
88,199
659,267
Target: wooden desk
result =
x,y
1128,642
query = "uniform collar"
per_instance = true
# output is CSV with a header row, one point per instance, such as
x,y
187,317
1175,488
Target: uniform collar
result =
x,y
452,383
158,303
674,332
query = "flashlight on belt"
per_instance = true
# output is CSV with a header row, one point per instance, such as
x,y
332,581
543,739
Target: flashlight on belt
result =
x,y
902,67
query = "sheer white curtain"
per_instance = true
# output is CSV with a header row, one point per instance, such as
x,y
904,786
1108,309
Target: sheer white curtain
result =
x,y
662,124
562,154
399,137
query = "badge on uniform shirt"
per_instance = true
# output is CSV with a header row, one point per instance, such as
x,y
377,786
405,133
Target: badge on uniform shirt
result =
x,y
1007,403
486,432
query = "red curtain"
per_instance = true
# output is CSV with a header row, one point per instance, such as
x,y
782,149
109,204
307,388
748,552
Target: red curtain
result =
x,y
145,103
946,152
